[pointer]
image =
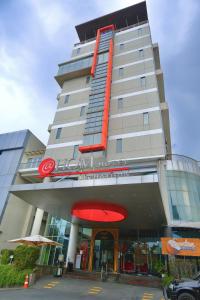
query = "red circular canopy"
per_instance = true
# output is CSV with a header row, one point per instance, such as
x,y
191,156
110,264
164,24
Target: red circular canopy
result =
x,y
99,212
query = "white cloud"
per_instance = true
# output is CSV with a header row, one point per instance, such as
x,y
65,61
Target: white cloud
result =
x,y
52,15
19,97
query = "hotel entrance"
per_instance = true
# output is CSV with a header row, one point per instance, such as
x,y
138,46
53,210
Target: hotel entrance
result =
x,y
103,256
104,249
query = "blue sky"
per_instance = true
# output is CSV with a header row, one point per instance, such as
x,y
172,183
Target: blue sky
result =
x,y
36,35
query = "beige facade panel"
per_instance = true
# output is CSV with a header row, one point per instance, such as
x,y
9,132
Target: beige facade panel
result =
x,y
134,123
132,57
74,84
137,102
68,134
71,115
87,48
137,147
131,45
60,153
131,33
134,70
75,98
133,85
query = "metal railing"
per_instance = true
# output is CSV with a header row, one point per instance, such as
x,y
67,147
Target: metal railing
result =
x,y
74,65
182,163
30,165
117,30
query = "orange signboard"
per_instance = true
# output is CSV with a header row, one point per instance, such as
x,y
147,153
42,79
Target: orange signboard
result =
x,y
181,246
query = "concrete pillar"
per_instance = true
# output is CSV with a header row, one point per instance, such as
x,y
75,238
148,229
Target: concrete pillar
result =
x,y
73,238
37,221
39,215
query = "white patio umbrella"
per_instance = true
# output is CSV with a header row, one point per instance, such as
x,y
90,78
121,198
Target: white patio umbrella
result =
x,y
35,240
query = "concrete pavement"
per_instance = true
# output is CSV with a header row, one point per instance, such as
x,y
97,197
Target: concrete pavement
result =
x,y
50,288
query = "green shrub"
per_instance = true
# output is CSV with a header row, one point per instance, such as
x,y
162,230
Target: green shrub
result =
x,y
10,276
25,257
159,267
5,256
167,279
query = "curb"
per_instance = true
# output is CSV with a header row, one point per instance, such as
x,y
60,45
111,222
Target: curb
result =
x,y
12,289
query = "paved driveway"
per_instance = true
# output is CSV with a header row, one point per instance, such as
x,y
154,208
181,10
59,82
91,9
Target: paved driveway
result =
x,y
50,288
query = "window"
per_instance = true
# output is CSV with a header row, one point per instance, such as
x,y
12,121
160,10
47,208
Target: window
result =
x,y
58,133
92,139
141,53
82,111
120,103
143,81
66,99
75,152
121,72
78,50
146,118
87,79
102,58
119,145
121,47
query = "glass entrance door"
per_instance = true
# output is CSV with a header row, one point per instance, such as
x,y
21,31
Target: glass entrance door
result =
x,y
103,251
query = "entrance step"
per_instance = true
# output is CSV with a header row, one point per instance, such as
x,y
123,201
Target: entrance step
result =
x,y
78,274
139,280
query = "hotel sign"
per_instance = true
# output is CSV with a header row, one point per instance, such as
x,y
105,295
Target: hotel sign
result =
x,y
181,246
69,167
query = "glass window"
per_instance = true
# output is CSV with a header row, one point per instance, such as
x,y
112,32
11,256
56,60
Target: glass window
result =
x,y
121,47
102,58
66,99
143,81
184,195
92,139
82,111
75,152
121,72
78,50
119,146
58,133
146,118
87,79
120,103
141,53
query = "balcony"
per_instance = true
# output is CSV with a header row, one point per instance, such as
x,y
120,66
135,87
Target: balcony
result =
x,y
73,68
29,165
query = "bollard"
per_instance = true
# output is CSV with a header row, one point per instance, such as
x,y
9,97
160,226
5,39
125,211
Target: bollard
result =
x,y
26,282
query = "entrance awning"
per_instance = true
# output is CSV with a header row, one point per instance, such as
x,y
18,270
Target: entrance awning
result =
x,y
139,195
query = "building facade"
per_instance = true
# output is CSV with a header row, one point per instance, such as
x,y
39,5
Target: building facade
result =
x,y
17,216
107,167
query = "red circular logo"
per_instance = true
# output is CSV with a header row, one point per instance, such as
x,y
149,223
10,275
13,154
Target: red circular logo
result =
x,y
46,166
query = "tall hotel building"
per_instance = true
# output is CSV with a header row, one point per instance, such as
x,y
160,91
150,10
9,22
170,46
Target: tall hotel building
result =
x,y
108,167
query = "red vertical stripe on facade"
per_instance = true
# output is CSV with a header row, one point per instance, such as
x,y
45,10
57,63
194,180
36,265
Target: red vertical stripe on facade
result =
x,y
104,136
94,63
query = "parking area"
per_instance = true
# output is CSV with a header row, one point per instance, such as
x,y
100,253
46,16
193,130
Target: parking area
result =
x,y
75,289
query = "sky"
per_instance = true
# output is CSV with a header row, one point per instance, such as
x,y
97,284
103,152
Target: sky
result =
x,y
37,35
